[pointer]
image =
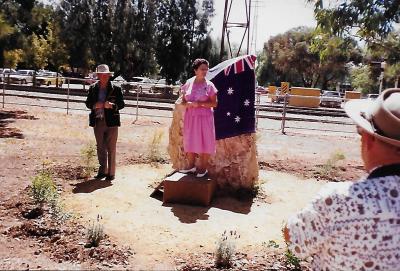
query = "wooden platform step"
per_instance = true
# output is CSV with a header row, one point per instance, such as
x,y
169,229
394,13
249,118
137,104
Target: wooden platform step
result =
x,y
187,189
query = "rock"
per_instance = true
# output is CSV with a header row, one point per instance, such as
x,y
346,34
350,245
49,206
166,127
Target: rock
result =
x,y
107,264
233,166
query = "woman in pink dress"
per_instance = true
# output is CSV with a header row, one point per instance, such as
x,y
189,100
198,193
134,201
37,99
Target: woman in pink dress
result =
x,y
199,97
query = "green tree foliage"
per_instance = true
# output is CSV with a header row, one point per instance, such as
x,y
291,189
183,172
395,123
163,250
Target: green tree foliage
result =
x,y
361,79
143,33
76,23
306,57
135,37
27,17
371,19
101,38
182,35
12,58
334,54
389,50
5,28
173,39
58,54
38,54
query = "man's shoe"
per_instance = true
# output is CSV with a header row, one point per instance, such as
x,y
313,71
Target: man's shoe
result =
x,y
190,170
110,177
100,176
199,175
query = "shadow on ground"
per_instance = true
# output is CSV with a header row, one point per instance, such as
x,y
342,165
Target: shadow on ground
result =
x,y
191,214
90,186
8,117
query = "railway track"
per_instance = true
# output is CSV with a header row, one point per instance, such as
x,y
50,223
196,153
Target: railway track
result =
x,y
151,101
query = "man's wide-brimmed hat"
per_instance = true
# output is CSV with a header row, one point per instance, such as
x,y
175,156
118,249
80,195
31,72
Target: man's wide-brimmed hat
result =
x,y
380,118
103,68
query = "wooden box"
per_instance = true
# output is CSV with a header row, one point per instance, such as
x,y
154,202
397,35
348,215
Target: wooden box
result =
x,y
188,189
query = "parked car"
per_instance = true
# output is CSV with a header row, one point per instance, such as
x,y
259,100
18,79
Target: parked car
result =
x,y
161,86
261,89
372,96
137,84
21,77
91,78
118,81
4,72
48,78
279,97
331,99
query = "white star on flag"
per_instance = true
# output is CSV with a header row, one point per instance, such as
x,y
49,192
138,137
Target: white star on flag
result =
x,y
237,119
228,114
246,102
230,91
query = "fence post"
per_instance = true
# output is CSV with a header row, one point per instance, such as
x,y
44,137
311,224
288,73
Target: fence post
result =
x,y
68,97
258,102
284,114
4,88
137,104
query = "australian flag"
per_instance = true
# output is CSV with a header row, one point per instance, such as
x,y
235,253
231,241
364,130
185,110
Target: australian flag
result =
x,y
235,82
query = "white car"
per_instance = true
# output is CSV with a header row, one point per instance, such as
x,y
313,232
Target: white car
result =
x,y
372,96
331,99
4,72
118,81
21,77
138,84
161,86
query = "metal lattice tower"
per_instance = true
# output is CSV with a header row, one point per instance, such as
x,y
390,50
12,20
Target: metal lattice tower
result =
x,y
256,4
227,24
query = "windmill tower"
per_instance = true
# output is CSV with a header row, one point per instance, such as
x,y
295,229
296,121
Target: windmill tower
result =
x,y
227,25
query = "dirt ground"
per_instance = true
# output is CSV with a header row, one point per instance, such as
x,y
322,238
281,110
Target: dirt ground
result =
x,y
144,233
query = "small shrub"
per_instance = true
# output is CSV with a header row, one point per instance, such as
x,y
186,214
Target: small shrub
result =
x,y
329,169
226,249
43,188
154,153
95,233
88,157
292,262
57,210
272,244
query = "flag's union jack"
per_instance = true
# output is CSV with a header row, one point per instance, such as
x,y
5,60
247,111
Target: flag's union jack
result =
x,y
235,81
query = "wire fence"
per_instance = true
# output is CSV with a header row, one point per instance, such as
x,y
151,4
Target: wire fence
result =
x,y
291,116
271,107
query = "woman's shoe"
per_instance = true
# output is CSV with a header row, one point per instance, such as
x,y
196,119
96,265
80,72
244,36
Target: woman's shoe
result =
x,y
199,175
191,170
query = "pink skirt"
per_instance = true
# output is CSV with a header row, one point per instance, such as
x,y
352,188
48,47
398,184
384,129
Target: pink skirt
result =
x,y
199,131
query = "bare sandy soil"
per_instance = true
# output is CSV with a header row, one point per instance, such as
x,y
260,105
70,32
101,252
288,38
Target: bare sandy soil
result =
x,y
159,236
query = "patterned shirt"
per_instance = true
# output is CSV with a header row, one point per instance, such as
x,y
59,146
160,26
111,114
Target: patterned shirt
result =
x,y
101,99
352,226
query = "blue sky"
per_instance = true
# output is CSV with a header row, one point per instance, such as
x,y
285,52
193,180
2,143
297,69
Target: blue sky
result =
x,y
274,17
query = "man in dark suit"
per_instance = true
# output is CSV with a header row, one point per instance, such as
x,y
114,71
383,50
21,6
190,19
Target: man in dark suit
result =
x,y
105,100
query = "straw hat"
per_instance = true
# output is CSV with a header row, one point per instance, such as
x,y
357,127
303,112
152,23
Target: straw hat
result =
x,y
380,118
103,68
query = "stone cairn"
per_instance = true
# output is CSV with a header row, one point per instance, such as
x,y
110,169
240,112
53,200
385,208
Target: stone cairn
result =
x,y
234,166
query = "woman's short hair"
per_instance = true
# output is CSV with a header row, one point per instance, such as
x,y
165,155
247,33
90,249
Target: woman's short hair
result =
x,y
198,62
